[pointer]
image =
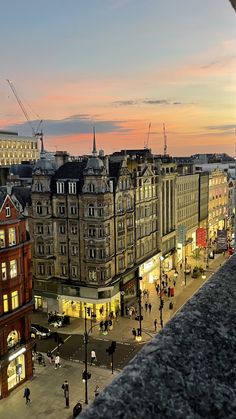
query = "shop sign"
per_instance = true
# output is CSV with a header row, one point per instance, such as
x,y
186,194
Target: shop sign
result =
x,y
222,243
201,237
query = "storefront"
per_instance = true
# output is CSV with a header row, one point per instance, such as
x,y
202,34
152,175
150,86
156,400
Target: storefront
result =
x,y
149,271
16,368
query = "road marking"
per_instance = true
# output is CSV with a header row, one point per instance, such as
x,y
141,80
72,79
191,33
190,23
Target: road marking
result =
x,y
58,346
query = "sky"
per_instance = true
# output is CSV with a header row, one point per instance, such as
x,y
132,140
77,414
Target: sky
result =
x,y
125,67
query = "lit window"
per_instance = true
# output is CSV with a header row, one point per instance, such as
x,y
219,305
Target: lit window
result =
x,y
8,211
4,271
13,268
12,236
2,238
14,300
5,303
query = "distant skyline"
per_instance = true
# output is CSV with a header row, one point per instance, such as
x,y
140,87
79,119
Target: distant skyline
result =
x,y
120,65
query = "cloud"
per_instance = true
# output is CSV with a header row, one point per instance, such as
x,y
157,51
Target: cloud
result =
x,y
223,127
138,102
74,124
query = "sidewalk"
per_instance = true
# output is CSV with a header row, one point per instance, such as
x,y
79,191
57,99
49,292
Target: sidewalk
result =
x,y
122,329
47,398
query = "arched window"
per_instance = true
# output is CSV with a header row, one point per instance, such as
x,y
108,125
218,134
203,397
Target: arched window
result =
x,y
119,205
129,202
39,207
39,187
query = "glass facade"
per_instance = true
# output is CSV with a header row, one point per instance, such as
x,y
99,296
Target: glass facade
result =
x,y
16,371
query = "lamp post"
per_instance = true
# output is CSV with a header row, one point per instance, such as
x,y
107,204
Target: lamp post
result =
x,y
161,301
139,337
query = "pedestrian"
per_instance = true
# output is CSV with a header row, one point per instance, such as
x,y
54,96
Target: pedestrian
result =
x,y
150,307
65,387
93,356
174,282
96,391
146,306
27,395
155,324
168,291
180,265
35,348
147,293
134,332
50,356
57,362
130,313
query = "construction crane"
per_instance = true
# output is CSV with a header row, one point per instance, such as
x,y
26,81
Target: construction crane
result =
x,y
165,140
36,133
148,135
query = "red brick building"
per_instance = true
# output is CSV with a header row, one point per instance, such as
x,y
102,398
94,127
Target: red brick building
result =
x,y
15,297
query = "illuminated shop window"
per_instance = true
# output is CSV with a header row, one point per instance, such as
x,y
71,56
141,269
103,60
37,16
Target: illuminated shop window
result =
x,y
2,238
4,271
12,236
5,303
14,300
16,371
13,268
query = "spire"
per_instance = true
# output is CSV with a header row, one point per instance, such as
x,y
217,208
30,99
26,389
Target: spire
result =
x,y
42,145
94,144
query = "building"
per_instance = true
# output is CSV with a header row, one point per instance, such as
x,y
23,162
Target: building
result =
x,y
94,223
16,297
15,148
187,214
218,203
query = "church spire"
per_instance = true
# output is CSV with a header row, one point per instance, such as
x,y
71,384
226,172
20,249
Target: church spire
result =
x,y
94,144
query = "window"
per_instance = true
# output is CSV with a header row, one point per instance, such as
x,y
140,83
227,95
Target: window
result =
x,y
61,209
40,249
73,210
39,187
74,271
8,211
14,300
121,262
39,208
91,187
60,187
62,229
100,211
91,211
2,239
72,187
41,269
12,236
92,275
73,229
13,268
62,249
92,232
4,271
63,270
39,229
5,303
74,250
92,253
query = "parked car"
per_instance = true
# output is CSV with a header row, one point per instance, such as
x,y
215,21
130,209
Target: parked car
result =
x,y
40,332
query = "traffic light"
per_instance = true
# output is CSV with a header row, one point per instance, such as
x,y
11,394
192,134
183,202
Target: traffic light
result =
x,y
84,374
88,310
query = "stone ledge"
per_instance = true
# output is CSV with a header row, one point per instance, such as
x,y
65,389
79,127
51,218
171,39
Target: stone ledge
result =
x,y
186,371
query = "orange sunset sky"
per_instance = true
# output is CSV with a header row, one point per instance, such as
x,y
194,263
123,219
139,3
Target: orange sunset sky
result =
x,y
120,65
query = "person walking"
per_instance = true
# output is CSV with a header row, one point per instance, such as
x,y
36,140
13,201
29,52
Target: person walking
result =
x,y
168,291
150,307
57,362
155,324
134,333
93,356
146,306
65,387
27,395
50,357
96,391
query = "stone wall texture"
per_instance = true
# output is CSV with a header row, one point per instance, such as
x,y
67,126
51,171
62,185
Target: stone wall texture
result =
x,y
188,370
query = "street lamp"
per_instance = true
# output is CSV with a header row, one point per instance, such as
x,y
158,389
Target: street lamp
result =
x,y
85,374
139,337
203,275
161,301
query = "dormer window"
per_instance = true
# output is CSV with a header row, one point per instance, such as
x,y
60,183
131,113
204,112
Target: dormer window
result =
x,y
39,187
60,187
72,187
8,211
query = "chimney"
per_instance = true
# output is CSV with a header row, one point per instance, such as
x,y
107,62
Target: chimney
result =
x,y
61,157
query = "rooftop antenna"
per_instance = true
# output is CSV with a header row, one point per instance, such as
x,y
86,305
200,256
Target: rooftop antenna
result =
x,y
148,135
165,138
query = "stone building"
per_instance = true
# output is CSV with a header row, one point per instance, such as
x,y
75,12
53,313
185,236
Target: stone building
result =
x,y
94,223
218,203
16,296
15,148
